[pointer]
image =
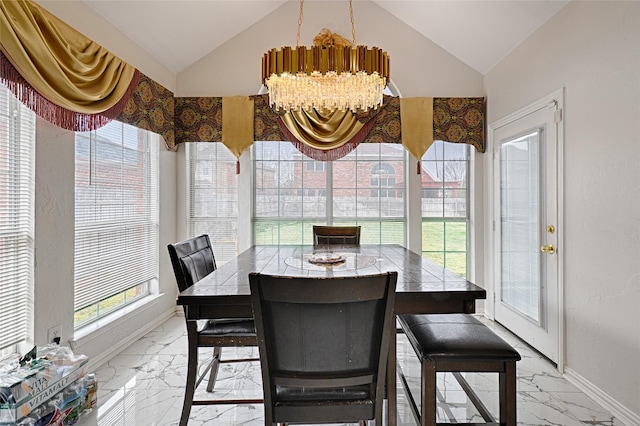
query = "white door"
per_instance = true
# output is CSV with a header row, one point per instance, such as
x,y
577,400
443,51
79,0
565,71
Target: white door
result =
x,y
526,289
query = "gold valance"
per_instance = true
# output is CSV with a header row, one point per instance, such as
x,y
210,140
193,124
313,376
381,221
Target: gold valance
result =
x,y
62,65
237,124
322,129
416,118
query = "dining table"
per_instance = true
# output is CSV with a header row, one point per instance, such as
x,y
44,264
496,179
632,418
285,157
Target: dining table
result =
x,y
423,287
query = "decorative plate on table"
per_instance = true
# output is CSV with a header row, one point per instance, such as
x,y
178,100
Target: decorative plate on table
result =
x,y
326,258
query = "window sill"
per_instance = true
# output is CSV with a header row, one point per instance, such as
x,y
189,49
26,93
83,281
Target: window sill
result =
x,y
97,328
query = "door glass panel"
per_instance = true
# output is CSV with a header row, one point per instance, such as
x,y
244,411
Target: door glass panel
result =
x,y
519,221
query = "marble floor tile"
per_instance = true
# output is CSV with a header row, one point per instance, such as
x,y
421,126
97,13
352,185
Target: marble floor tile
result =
x,y
144,385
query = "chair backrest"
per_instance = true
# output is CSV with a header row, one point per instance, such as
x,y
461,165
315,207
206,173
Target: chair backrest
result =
x,y
336,235
192,260
323,339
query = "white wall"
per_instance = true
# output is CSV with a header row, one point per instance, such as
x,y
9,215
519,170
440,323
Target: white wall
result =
x,y
54,230
592,49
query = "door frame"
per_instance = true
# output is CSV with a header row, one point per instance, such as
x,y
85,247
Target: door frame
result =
x,y
557,98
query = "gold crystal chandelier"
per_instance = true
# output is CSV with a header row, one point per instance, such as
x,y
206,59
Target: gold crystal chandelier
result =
x,y
334,74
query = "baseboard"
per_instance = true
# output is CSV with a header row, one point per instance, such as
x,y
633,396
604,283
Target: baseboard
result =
x,y
97,361
619,411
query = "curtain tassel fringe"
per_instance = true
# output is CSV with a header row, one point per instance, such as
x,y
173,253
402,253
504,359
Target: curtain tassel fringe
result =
x,y
55,114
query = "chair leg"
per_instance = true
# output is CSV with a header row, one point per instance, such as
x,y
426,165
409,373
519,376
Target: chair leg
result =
x,y
428,393
378,420
215,364
390,383
192,371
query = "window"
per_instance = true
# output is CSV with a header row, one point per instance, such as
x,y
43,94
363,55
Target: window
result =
x,y
213,197
383,177
445,213
317,166
116,219
290,195
17,158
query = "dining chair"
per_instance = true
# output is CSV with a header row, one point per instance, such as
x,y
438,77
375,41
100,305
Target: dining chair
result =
x,y
327,235
323,346
192,260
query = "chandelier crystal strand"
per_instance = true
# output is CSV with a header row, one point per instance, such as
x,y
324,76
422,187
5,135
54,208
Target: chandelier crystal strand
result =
x,y
329,77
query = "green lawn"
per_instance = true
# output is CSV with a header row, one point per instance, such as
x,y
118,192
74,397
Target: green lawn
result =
x,y
90,313
442,242
445,243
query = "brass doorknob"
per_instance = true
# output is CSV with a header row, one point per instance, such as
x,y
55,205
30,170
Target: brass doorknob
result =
x,y
549,248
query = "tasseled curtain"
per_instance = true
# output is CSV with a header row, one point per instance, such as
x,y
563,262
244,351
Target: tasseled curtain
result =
x,y
63,76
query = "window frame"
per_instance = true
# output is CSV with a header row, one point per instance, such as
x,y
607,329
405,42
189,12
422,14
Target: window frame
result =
x,y
108,214
225,244
381,227
446,257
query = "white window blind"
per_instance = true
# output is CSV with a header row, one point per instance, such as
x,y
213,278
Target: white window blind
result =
x,y
213,197
116,211
17,147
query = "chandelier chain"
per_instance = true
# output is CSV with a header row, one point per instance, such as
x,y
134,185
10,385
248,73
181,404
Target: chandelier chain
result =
x,y
353,25
300,19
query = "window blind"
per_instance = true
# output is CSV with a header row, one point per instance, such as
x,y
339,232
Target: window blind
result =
x,y
213,197
17,159
116,211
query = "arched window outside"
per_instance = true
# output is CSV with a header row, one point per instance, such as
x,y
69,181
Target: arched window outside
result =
x,y
383,180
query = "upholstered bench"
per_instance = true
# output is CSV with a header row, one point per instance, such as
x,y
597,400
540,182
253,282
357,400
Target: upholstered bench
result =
x,y
459,343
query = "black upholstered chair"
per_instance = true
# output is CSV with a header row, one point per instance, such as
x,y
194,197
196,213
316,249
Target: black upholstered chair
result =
x,y
323,345
327,235
193,260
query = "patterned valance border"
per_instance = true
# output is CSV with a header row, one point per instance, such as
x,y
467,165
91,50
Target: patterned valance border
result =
x,y
152,108
459,120
199,119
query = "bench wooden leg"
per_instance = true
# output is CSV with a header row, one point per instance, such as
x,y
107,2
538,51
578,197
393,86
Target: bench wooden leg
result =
x,y
507,383
428,394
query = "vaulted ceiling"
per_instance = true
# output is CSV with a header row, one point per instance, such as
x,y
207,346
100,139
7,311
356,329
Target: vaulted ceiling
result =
x,y
486,31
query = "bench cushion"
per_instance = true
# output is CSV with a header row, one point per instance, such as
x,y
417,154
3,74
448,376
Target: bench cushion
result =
x,y
454,337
